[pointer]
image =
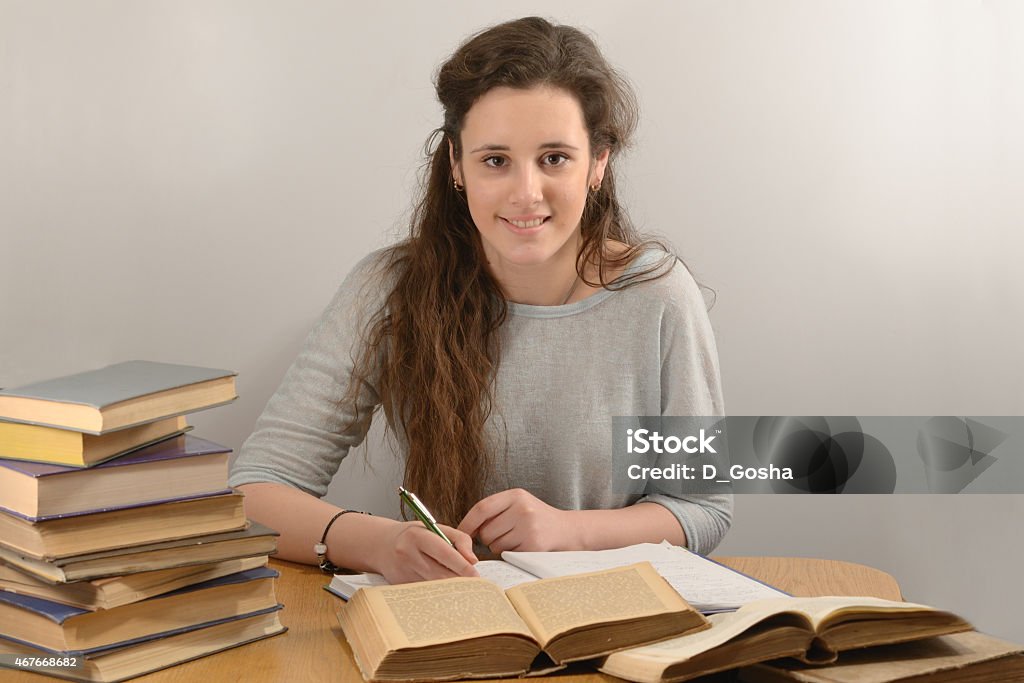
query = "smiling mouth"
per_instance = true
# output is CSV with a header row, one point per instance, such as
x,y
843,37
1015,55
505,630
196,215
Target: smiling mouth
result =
x,y
525,225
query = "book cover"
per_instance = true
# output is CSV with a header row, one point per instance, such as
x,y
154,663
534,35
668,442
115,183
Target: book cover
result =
x,y
122,527
115,397
256,539
55,626
969,656
115,383
143,639
59,613
172,469
19,441
254,529
814,630
183,446
125,662
117,591
115,508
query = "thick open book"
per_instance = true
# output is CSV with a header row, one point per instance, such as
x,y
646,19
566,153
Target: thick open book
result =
x,y
470,627
969,657
708,586
813,630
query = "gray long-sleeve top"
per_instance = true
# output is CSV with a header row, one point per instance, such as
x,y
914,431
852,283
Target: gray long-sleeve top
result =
x,y
565,371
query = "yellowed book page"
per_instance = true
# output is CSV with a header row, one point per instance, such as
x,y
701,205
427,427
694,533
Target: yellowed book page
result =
x,y
727,626
820,609
724,627
554,606
442,611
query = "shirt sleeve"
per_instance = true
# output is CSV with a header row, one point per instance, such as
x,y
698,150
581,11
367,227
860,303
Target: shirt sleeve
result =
x,y
691,385
310,423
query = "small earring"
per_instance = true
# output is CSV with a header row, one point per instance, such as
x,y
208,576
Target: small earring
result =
x,y
458,188
596,187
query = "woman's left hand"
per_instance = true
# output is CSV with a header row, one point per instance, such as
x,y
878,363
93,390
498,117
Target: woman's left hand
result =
x,y
517,520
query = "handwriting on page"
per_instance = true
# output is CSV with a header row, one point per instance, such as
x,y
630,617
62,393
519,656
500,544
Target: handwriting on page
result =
x,y
704,584
503,574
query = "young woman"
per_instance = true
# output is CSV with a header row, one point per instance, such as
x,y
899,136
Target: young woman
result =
x,y
500,338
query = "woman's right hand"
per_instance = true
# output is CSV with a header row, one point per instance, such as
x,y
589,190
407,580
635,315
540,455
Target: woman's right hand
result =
x,y
411,552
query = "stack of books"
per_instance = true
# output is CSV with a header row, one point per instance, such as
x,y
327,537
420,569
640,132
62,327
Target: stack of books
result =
x,y
122,549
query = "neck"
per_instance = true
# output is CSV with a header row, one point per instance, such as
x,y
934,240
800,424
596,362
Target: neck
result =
x,y
551,283
541,289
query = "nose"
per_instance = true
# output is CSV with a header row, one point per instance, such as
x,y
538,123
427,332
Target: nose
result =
x,y
526,187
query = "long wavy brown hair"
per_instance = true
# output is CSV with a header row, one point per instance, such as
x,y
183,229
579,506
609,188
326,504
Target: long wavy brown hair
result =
x,y
432,349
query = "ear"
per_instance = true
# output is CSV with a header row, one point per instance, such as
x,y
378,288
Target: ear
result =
x,y
456,171
600,164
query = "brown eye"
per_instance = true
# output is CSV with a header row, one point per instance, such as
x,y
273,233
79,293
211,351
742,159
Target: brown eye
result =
x,y
555,159
494,162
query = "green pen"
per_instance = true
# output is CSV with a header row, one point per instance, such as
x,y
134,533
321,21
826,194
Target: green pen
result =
x,y
422,513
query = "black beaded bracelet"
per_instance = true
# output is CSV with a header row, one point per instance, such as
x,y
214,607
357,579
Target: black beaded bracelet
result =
x,y
320,548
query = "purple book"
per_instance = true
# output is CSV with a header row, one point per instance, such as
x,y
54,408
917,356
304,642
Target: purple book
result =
x,y
102,487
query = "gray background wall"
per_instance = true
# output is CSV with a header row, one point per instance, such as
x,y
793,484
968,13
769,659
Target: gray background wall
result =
x,y
189,182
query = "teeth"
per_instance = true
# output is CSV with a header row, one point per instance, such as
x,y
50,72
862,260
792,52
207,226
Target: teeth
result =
x,y
526,224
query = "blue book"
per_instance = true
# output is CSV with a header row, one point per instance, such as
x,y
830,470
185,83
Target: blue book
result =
x,y
56,627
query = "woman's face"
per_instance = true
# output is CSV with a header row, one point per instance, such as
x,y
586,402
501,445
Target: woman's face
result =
x,y
526,166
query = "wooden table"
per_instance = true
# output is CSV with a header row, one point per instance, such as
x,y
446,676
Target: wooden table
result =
x,y
314,648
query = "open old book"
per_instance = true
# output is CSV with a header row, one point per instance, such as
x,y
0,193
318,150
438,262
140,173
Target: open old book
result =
x,y
470,627
969,657
708,586
813,630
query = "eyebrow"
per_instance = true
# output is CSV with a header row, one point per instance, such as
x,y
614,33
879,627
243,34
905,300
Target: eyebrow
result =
x,y
505,148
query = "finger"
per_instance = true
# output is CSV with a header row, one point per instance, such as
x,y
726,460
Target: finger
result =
x,y
510,540
496,527
434,569
484,510
463,543
450,560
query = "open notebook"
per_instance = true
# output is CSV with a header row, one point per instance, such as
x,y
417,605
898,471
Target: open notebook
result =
x,y
708,586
